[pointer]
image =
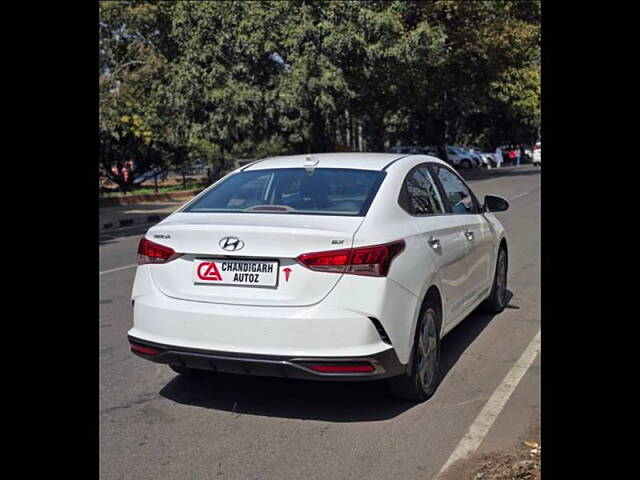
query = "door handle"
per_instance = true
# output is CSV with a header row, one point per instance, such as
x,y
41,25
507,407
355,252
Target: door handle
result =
x,y
469,235
434,243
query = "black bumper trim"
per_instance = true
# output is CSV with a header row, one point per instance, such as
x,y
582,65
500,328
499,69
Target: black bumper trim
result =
x,y
386,363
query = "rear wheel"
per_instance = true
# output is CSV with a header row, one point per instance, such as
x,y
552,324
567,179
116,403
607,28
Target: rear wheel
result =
x,y
188,372
466,163
422,381
498,297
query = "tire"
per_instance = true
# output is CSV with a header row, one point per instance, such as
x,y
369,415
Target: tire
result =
x,y
188,372
536,164
422,379
497,300
466,163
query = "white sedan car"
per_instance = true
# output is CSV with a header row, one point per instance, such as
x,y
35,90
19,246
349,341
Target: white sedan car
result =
x,y
348,266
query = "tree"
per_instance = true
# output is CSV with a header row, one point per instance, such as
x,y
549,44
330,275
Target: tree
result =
x,y
217,80
132,65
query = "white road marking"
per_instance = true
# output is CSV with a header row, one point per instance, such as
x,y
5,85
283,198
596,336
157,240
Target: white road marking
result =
x,y
118,269
520,195
483,422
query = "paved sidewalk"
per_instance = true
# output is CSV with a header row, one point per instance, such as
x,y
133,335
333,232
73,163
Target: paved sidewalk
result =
x,y
494,172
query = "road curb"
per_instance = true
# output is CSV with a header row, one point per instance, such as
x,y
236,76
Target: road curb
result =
x,y
129,222
180,196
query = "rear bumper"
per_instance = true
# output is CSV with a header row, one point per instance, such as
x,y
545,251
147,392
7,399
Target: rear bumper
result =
x,y
346,324
384,364
315,331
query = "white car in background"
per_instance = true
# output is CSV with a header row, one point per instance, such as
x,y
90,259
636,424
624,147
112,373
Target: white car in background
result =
x,y
457,156
488,159
348,266
537,155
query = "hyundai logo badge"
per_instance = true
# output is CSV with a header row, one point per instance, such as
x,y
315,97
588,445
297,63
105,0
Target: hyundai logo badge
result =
x,y
231,244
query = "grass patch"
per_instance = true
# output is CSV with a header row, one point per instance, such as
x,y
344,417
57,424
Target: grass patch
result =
x,y
146,190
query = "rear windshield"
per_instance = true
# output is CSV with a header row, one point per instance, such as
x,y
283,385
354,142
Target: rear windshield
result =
x,y
321,191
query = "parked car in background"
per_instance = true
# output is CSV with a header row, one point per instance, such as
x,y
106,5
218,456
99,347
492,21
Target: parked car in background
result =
x,y
488,159
461,158
477,156
157,173
537,154
407,149
431,150
458,157
344,266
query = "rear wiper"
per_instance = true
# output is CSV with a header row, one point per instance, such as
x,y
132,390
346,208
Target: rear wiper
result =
x,y
269,208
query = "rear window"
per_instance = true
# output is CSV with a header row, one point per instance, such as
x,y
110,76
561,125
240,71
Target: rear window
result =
x,y
321,191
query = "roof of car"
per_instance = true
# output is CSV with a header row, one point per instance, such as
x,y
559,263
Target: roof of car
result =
x,y
359,160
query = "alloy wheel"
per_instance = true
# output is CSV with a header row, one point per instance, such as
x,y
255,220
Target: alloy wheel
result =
x,y
501,278
428,350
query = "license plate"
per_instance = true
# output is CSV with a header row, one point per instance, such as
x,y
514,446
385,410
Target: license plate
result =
x,y
253,273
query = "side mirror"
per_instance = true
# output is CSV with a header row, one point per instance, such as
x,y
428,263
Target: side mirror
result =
x,y
493,203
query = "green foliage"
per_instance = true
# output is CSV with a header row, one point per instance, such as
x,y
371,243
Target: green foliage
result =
x,y
242,79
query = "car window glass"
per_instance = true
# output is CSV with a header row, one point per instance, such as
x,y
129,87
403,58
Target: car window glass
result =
x,y
458,194
251,192
423,196
334,191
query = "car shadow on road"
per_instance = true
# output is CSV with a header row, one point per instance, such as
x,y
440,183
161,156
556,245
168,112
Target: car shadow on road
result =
x,y
458,340
309,400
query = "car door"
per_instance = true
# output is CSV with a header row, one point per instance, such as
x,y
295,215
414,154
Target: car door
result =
x,y
475,231
445,246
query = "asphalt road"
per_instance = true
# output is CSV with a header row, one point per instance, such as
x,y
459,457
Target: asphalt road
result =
x,y
157,425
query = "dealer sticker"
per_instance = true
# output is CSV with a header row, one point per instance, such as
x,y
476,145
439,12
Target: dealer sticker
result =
x,y
258,273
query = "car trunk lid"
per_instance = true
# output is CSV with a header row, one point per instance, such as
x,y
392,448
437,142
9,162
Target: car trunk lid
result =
x,y
265,239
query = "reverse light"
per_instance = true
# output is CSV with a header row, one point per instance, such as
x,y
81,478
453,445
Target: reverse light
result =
x,y
151,252
373,261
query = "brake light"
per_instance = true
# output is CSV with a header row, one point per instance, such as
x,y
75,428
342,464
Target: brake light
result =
x,y
151,252
332,261
373,261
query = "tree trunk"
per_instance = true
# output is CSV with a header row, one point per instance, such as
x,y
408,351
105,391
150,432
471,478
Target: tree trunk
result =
x,y
375,135
352,133
347,129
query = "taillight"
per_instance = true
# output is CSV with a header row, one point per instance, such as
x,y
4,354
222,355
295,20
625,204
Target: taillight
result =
x,y
332,261
151,252
373,261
